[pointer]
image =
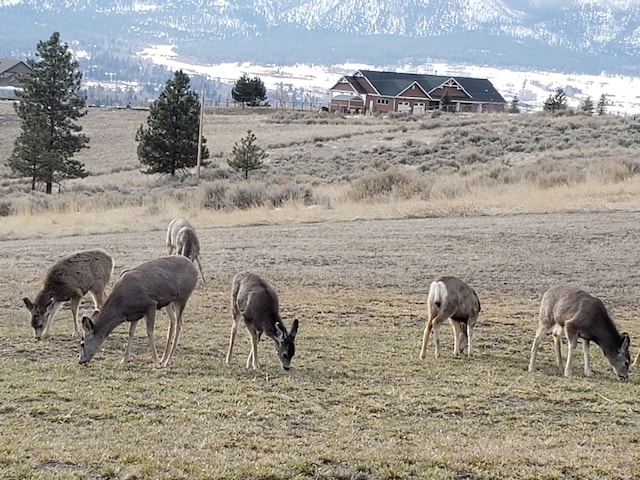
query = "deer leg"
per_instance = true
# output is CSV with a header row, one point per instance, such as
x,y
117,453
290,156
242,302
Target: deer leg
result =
x,y
557,343
536,344
204,282
54,309
78,331
127,350
637,360
151,320
253,354
232,340
585,353
177,319
457,337
572,341
425,338
170,334
470,326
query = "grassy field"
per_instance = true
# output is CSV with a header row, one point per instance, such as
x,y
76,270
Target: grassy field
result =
x,y
510,204
357,403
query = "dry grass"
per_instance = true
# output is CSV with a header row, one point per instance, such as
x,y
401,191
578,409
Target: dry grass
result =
x,y
357,403
326,168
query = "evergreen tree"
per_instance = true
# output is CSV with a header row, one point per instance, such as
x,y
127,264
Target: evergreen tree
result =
x,y
247,156
602,104
48,108
587,106
250,91
513,106
556,102
445,102
170,141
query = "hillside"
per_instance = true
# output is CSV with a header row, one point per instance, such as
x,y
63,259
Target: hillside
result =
x,y
322,167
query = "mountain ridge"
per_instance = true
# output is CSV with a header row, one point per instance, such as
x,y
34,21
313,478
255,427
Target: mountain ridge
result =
x,y
600,37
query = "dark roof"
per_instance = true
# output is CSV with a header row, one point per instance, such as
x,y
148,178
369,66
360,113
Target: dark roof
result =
x,y
7,64
354,83
391,84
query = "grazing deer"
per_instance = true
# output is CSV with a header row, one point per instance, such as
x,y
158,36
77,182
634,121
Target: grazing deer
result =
x,y
577,314
451,298
255,301
182,238
140,292
70,279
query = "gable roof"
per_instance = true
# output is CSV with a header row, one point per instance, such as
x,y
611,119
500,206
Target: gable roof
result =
x,y
8,64
10,71
393,84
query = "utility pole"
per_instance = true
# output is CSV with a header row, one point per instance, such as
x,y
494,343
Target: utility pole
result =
x,y
200,135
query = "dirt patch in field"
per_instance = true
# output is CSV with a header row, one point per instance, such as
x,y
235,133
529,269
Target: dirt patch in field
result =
x,y
515,257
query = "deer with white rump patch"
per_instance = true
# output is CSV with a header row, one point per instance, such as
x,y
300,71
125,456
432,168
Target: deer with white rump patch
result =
x,y
577,314
254,301
70,279
182,238
140,292
451,298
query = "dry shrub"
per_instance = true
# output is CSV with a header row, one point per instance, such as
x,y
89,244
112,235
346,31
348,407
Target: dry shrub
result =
x,y
246,195
388,184
215,194
291,192
5,209
614,170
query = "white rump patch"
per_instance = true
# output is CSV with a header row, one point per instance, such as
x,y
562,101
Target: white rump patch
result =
x,y
437,293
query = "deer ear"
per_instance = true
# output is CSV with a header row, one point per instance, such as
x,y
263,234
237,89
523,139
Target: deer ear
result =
x,y
87,324
50,303
624,344
28,303
279,332
294,329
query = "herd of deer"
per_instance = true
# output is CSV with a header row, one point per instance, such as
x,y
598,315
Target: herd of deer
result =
x,y
169,282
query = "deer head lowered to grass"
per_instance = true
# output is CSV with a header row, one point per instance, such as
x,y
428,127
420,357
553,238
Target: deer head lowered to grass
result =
x,y
140,292
256,302
70,279
577,314
451,298
182,238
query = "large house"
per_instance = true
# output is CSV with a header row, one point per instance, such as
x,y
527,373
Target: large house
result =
x,y
368,91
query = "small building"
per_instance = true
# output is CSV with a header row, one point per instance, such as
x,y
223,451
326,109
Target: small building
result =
x,y
10,71
368,91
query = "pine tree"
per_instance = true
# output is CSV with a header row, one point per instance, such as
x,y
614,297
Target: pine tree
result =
x,y
556,102
587,106
250,91
247,156
48,108
169,143
445,102
602,104
513,106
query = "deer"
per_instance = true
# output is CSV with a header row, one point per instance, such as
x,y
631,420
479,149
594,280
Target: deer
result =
x,y
182,238
140,292
255,301
453,299
577,314
70,279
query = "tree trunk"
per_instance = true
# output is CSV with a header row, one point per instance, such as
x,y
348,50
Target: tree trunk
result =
x,y
49,188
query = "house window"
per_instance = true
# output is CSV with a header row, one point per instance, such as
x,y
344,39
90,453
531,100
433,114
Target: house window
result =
x,y
383,101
